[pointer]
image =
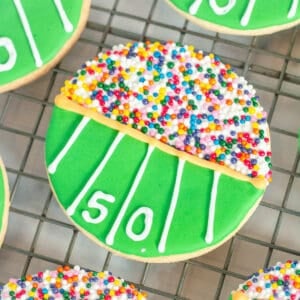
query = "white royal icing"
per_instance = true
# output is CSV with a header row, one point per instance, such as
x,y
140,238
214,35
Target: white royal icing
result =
x,y
12,54
68,26
222,10
293,9
163,239
212,208
94,203
28,32
111,235
247,15
195,7
72,208
53,166
148,213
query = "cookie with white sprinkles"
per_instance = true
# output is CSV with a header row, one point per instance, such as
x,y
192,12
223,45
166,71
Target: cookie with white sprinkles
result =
x,y
279,282
157,151
70,283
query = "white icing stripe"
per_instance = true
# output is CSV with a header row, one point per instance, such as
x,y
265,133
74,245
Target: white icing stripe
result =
x,y
195,7
111,235
12,54
26,26
148,224
247,15
293,9
68,26
224,9
212,208
163,239
71,209
53,166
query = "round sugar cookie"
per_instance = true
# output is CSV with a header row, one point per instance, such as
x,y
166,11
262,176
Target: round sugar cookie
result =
x,y
71,283
279,282
158,152
4,201
35,35
242,17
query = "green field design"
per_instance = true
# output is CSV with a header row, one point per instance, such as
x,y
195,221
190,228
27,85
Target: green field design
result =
x,y
186,234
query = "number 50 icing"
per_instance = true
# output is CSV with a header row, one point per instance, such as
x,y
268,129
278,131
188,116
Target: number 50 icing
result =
x,y
34,42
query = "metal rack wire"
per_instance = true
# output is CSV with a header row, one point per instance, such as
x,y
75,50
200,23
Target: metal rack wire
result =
x,y
271,63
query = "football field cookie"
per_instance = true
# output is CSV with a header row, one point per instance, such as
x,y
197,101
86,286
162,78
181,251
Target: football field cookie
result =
x,y
157,151
70,283
35,35
4,201
279,282
240,17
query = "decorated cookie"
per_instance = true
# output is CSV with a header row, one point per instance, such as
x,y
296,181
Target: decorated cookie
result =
x,y
281,282
4,201
70,283
243,17
157,151
35,35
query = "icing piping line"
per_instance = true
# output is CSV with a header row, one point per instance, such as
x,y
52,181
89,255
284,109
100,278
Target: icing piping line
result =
x,y
148,212
93,203
9,46
68,26
247,15
26,26
212,208
293,9
71,209
111,235
224,9
195,7
163,239
53,166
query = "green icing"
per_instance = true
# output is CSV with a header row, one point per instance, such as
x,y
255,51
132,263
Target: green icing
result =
x,y
265,13
47,29
2,197
188,226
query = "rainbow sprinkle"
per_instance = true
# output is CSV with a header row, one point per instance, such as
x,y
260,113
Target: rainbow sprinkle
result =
x,y
182,97
279,282
72,284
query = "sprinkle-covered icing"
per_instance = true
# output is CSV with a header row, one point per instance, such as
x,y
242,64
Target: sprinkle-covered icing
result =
x,y
68,283
184,98
281,281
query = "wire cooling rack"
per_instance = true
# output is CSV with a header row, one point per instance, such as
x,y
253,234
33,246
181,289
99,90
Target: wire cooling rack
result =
x,y
39,235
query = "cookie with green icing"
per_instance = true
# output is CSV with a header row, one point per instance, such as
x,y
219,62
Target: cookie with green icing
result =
x,y
35,35
4,201
158,152
243,17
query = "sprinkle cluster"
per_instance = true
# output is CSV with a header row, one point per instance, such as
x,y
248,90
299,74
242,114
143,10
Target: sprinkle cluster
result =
x,y
72,284
182,97
280,282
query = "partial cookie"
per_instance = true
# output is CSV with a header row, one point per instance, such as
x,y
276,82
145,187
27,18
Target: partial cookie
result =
x,y
157,151
281,282
4,201
240,17
35,35
70,283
